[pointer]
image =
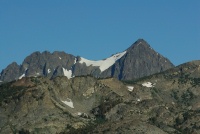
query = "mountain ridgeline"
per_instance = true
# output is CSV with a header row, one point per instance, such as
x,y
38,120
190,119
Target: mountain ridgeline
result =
x,y
137,61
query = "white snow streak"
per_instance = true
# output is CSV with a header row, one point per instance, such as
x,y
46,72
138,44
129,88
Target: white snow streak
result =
x,y
49,71
23,75
75,61
103,64
60,58
68,103
147,84
67,73
130,88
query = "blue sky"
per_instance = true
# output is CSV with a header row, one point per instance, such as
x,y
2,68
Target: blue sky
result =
x,y
96,29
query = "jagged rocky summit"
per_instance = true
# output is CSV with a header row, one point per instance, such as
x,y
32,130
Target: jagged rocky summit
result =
x,y
137,61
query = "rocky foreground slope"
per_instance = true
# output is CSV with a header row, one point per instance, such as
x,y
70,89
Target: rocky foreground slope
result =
x,y
137,61
167,102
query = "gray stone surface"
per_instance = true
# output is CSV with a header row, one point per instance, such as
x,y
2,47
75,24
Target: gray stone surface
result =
x,y
140,60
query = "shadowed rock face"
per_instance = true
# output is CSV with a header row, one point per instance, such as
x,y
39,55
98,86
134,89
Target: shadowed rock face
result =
x,y
138,61
166,102
11,72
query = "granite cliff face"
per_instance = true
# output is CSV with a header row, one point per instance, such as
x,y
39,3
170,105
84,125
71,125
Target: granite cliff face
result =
x,y
137,61
166,102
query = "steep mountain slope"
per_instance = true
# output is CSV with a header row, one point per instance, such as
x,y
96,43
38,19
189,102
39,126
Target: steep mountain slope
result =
x,y
140,60
137,61
166,102
54,106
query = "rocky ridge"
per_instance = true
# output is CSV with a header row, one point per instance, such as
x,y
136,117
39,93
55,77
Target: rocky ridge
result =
x,y
137,61
166,102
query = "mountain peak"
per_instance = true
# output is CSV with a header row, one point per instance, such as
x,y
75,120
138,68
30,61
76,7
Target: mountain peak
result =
x,y
140,60
137,61
141,40
139,43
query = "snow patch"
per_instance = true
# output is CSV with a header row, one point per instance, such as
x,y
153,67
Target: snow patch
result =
x,y
23,75
130,88
75,60
68,103
103,64
138,100
49,71
83,115
67,73
1,81
147,84
60,58
79,113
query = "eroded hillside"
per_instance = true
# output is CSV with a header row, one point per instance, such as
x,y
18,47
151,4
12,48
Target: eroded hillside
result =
x,y
167,102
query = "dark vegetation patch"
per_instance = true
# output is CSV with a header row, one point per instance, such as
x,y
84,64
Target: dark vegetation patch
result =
x,y
8,92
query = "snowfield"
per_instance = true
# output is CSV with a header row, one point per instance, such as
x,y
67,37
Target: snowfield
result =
x,y
147,84
130,88
103,64
68,103
67,73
